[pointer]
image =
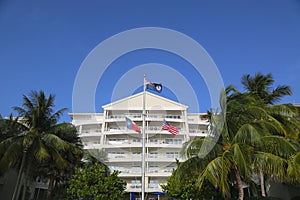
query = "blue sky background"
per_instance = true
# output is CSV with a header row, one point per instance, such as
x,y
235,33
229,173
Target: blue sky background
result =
x,y
43,43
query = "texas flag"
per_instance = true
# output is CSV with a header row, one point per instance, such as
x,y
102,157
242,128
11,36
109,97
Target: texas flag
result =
x,y
131,125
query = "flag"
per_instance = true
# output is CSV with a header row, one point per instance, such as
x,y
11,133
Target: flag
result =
x,y
132,126
157,87
132,196
167,126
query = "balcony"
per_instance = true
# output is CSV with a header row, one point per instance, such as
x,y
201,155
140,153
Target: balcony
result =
x,y
91,132
162,158
137,143
134,187
150,130
197,120
148,158
119,130
198,133
137,187
149,117
121,117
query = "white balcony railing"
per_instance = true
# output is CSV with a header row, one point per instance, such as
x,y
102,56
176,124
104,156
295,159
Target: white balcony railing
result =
x,y
138,116
90,131
148,157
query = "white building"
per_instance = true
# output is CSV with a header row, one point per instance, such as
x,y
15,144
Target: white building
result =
x,y
107,132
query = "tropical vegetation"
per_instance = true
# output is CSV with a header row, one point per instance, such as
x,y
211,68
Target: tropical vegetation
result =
x,y
250,136
251,139
94,183
186,187
37,145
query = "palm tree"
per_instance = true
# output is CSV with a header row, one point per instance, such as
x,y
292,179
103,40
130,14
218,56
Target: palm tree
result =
x,y
227,159
42,141
260,87
245,139
11,139
94,156
71,157
10,128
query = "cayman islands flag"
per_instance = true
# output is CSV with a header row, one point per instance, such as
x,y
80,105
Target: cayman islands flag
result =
x,y
131,125
157,87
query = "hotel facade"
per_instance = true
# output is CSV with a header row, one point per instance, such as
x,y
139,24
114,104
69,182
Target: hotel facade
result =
x,y
106,136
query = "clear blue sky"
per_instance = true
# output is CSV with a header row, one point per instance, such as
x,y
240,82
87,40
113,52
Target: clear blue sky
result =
x,y
43,43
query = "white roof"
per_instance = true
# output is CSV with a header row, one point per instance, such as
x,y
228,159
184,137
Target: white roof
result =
x,y
153,102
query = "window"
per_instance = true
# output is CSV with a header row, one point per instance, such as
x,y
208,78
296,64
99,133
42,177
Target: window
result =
x,y
136,154
153,184
136,184
177,141
173,141
152,155
136,141
136,169
153,169
169,141
153,141
172,154
117,141
117,168
170,168
116,155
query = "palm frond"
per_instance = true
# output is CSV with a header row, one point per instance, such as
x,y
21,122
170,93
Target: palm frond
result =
x,y
40,152
293,169
201,148
59,161
247,134
54,141
11,155
216,172
272,165
277,94
242,156
279,145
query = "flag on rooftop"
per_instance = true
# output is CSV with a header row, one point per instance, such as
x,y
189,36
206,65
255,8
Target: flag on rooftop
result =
x,y
157,87
131,125
167,126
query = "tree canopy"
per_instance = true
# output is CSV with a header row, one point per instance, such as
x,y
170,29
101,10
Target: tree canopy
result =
x,y
36,143
93,183
257,137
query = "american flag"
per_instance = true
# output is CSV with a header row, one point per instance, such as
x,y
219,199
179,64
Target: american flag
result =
x,y
167,126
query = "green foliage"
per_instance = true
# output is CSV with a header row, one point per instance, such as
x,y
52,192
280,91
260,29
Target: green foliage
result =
x,y
59,192
184,186
93,183
49,149
256,137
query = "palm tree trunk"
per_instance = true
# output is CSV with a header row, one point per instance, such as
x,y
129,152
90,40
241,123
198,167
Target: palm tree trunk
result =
x,y
262,183
26,180
20,186
19,176
239,183
50,186
24,189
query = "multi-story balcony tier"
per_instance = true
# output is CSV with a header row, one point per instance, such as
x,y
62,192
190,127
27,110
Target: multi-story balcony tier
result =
x,y
107,132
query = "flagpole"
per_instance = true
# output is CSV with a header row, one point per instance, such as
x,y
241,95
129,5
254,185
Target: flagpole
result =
x,y
143,139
